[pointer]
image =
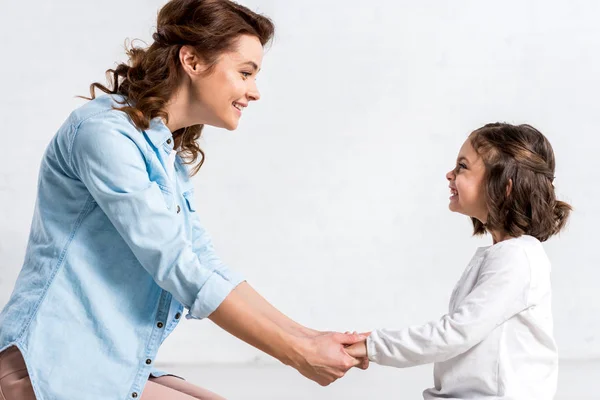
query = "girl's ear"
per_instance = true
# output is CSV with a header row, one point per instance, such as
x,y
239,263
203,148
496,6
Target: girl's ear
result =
x,y
509,187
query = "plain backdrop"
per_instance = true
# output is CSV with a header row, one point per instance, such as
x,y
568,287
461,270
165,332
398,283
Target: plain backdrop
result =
x,y
331,196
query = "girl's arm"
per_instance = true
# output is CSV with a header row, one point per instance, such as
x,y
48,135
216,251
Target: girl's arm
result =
x,y
500,293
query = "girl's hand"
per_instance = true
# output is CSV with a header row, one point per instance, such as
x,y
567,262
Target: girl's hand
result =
x,y
359,351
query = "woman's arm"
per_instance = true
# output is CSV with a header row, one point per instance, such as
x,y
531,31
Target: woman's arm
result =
x,y
260,304
108,161
320,358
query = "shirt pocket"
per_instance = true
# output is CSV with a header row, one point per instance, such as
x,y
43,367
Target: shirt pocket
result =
x,y
167,195
189,200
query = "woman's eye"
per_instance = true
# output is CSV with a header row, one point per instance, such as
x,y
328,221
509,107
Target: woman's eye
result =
x,y
246,74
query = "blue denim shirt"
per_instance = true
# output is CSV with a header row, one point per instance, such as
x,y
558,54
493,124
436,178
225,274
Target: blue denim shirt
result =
x,y
116,251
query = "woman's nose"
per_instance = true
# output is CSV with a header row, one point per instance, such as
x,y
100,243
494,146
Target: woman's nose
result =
x,y
254,93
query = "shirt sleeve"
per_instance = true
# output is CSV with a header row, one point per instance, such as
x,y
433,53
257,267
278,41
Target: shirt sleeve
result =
x,y
500,293
203,247
113,169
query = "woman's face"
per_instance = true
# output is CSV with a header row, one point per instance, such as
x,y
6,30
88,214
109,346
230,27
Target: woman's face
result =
x,y
219,97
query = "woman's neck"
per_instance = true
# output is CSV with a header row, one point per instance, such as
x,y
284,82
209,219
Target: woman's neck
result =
x,y
181,108
176,109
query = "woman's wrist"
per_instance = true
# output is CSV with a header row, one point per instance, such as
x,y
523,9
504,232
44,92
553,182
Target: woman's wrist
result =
x,y
294,350
303,331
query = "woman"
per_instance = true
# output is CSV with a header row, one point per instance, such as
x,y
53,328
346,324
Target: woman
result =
x,y
116,249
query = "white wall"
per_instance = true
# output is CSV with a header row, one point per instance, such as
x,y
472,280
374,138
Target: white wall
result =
x,y
331,196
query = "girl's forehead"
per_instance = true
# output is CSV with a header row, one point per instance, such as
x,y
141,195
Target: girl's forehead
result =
x,y
468,152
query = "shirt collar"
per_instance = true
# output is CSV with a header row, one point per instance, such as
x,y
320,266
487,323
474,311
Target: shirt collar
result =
x,y
158,133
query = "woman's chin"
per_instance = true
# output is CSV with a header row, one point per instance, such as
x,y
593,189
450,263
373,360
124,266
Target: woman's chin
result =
x,y
231,125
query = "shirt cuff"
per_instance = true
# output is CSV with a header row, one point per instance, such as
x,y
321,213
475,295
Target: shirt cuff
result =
x,y
157,373
230,275
371,350
213,292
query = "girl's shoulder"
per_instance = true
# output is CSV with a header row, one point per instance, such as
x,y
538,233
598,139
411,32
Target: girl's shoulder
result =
x,y
523,250
524,242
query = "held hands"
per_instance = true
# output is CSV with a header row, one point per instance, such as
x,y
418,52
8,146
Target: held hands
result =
x,y
323,357
357,350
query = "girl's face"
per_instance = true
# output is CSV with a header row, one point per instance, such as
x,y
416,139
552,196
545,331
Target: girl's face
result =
x,y
467,184
220,97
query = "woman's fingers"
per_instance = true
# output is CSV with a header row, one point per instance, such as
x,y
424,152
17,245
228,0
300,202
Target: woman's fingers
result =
x,y
364,363
348,338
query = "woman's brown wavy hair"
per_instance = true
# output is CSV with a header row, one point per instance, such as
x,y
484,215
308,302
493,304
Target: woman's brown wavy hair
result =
x,y
152,74
523,155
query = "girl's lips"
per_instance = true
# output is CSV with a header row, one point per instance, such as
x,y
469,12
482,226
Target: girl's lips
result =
x,y
453,193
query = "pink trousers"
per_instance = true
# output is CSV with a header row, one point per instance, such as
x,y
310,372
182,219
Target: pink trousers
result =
x,y
15,383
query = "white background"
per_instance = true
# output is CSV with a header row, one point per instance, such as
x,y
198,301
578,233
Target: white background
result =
x,y
330,197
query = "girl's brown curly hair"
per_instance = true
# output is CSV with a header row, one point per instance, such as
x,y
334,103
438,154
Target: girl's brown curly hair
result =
x,y
522,155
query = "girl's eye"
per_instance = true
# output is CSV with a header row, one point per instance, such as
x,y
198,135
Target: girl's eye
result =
x,y
460,166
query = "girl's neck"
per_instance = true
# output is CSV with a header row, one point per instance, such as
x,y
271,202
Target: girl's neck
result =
x,y
499,236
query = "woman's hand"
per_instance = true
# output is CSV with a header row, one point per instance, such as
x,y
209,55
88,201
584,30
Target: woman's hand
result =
x,y
323,358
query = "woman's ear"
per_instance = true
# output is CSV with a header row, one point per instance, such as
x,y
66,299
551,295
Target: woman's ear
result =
x,y
191,63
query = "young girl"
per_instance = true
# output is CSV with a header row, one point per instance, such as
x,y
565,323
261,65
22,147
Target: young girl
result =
x,y
496,341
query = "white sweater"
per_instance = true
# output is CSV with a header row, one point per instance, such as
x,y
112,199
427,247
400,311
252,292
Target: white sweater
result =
x,y
496,342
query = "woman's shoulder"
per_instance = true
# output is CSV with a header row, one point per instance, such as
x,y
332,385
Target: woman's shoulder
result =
x,y
97,127
101,122
101,110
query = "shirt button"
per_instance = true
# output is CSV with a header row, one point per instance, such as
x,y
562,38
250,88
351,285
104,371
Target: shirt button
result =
x,y
148,361
178,209
134,395
178,315
160,325
169,141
